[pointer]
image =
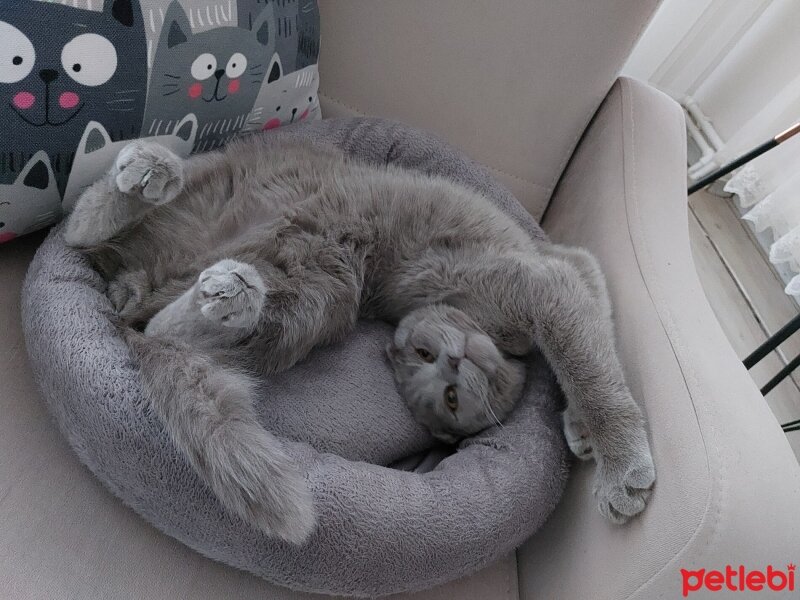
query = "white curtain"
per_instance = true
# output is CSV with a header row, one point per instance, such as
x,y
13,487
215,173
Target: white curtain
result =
x,y
736,62
770,188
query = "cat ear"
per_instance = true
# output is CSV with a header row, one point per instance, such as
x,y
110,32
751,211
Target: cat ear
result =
x,y
95,137
37,173
122,11
176,25
275,69
261,25
187,128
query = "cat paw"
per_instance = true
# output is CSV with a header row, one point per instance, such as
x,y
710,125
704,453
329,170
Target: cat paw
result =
x,y
127,291
623,486
577,434
231,293
152,170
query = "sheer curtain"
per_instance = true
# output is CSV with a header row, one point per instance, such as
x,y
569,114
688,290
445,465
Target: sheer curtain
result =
x,y
769,188
733,64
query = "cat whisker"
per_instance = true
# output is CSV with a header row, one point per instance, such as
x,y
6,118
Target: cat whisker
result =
x,y
170,93
172,76
488,405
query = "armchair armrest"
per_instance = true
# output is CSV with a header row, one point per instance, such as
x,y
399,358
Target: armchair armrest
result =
x,y
728,486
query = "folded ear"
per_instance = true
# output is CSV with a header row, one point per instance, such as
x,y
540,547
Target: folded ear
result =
x,y
37,172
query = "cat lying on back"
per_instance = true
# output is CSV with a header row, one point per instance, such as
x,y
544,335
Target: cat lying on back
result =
x,y
242,261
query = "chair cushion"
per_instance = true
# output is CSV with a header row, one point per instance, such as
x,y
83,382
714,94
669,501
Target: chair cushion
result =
x,y
381,530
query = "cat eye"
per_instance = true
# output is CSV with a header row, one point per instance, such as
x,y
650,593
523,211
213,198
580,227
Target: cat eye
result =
x,y
204,66
425,355
236,66
17,54
89,59
451,398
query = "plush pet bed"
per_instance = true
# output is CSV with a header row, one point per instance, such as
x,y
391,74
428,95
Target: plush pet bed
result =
x,y
381,530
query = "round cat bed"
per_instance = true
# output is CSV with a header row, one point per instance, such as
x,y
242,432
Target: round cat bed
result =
x,y
388,522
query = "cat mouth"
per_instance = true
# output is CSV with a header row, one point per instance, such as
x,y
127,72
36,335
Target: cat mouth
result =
x,y
214,97
47,120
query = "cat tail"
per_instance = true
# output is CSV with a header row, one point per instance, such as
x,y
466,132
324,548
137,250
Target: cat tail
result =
x,y
208,412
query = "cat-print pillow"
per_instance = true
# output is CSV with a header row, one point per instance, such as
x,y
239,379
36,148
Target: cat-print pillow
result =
x,y
80,78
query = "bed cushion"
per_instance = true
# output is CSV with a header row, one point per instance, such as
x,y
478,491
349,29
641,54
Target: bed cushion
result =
x,y
392,516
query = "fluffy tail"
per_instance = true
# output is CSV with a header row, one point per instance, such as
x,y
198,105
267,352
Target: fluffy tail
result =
x,y
208,411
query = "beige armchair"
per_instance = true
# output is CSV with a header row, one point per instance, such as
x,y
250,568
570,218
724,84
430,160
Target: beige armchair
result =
x,y
515,84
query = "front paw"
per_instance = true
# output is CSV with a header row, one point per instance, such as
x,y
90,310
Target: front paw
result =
x,y
151,170
623,485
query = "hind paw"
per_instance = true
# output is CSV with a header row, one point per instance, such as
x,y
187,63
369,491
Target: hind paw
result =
x,y
231,293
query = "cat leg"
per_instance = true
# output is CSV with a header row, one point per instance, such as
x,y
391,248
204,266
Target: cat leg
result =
x,y
144,175
547,303
208,411
573,328
225,302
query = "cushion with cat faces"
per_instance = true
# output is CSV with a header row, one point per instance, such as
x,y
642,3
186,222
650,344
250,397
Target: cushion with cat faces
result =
x,y
381,529
79,79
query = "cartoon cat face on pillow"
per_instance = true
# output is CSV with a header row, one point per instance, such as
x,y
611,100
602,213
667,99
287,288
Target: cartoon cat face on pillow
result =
x,y
285,99
61,67
215,74
31,202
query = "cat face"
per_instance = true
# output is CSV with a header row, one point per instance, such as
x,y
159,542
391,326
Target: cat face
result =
x,y
285,99
452,376
31,202
61,67
215,74
96,154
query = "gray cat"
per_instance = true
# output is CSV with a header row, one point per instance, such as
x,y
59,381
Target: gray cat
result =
x,y
240,262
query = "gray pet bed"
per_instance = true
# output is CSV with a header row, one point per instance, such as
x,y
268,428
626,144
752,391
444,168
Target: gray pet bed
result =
x,y
381,530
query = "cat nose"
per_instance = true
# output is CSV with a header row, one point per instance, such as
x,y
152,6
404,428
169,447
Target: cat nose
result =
x,y
453,361
219,73
48,75
294,110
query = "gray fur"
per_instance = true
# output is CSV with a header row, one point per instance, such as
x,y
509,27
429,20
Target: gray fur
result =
x,y
316,240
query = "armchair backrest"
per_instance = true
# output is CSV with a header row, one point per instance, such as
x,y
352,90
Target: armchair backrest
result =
x,y
512,83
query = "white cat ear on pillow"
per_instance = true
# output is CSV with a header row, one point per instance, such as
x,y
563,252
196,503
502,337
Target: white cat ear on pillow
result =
x,y
186,130
95,137
37,173
274,69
